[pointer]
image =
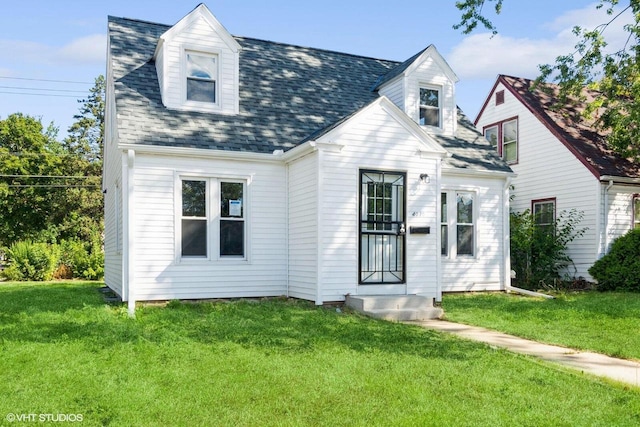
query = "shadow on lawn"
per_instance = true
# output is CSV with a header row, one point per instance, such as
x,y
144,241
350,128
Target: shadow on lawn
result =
x,y
77,313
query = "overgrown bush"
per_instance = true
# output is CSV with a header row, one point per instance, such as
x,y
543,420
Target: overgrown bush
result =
x,y
41,261
620,268
539,253
31,261
84,261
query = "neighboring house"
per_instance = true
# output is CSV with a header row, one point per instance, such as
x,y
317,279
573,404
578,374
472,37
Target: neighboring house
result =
x,y
237,167
561,165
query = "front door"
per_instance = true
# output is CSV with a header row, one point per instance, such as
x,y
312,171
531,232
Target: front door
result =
x,y
382,228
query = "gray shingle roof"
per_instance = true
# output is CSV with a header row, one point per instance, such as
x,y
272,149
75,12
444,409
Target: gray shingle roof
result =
x,y
470,150
284,100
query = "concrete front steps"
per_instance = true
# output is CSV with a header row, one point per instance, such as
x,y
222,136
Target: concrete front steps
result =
x,y
398,308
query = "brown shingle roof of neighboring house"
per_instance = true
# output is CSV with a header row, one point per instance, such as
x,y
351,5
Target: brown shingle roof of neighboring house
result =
x,y
583,140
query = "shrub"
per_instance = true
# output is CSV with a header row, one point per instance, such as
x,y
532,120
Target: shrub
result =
x,y
539,254
85,261
31,261
620,268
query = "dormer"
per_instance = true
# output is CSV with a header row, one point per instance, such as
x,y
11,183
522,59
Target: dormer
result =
x,y
423,86
197,62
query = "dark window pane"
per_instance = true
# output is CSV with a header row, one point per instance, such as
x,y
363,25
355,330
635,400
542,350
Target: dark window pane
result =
x,y
194,198
444,248
443,207
194,237
465,209
544,213
429,117
429,97
465,239
231,238
201,90
231,200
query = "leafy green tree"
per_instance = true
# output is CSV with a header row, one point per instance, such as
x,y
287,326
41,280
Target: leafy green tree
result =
x,y
614,78
29,159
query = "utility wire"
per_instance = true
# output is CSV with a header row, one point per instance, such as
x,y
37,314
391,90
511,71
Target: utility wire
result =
x,y
39,94
50,176
46,80
42,89
51,186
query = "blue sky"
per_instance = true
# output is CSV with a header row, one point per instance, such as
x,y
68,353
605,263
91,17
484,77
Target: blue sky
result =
x,y
65,40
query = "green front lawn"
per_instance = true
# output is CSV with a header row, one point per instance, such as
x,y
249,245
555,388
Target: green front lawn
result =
x,y
276,362
604,322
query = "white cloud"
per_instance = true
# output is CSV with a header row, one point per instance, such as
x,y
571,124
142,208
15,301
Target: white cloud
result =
x,y
479,56
88,50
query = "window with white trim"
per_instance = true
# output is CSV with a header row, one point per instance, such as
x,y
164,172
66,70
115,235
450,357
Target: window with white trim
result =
x,y
636,211
429,107
212,223
201,76
503,136
457,223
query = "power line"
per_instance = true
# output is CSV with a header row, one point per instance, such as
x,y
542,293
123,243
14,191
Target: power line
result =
x,y
50,176
42,89
46,80
51,186
39,94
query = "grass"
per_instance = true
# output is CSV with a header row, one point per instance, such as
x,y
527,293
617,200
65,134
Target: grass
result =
x,y
604,322
276,362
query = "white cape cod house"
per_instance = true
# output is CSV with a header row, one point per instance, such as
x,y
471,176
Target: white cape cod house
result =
x,y
237,167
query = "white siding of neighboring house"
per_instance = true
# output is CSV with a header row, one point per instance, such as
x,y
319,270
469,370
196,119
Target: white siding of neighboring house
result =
x,y
159,273
303,227
373,140
485,270
199,36
547,169
620,212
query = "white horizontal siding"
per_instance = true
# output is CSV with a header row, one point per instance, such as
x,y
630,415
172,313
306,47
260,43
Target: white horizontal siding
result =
x,y
430,73
394,90
303,227
159,274
485,270
547,169
112,178
619,211
198,36
373,141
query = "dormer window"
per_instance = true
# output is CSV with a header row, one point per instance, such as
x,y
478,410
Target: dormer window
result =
x,y
429,107
202,76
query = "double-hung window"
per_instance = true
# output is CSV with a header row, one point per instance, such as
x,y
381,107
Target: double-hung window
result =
x,y
429,107
457,223
503,137
202,77
544,214
213,218
636,211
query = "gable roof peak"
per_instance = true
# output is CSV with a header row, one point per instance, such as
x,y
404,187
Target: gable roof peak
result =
x,y
414,61
200,11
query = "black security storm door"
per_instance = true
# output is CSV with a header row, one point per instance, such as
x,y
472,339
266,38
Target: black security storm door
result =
x,y
382,227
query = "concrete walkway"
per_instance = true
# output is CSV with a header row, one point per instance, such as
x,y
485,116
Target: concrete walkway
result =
x,y
625,371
